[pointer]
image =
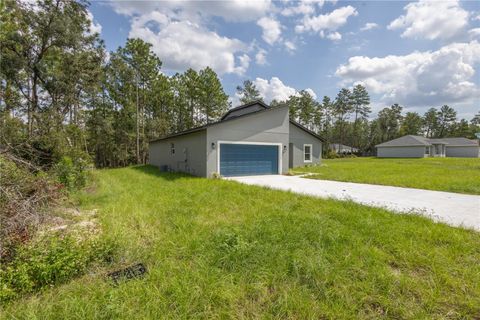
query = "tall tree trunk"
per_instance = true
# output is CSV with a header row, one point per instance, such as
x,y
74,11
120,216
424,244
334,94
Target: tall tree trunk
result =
x,y
34,105
355,137
144,155
138,131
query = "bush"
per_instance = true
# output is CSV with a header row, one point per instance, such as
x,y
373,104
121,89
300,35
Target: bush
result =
x,y
72,173
50,261
331,154
349,155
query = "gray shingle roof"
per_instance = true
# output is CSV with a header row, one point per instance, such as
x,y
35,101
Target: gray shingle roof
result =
x,y
460,142
406,141
410,140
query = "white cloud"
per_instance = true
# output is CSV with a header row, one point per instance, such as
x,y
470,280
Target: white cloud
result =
x,y
474,33
273,89
476,18
290,46
326,22
271,29
369,26
183,44
94,27
334,36
431,20
312,93
232,10
244,60
261,57
303,7
420,78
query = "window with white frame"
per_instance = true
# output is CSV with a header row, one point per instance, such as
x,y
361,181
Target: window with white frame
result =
x,y
427,150
307,153
172,148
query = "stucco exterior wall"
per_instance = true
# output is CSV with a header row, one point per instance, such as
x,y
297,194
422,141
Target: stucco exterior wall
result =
x,y
401,152
267,127
190,153
297,139
463,152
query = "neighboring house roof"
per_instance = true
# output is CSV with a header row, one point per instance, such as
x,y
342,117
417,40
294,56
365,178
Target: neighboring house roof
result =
x,y
438,141
406,141
460,142
412,141
266,108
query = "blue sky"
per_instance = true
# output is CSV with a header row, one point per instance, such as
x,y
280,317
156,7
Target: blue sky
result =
x,y
418,54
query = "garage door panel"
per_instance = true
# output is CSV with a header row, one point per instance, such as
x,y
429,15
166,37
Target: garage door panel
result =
x,y
248,159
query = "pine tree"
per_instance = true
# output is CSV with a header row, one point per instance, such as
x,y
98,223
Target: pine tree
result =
x,y
412,124
213,100
446,118
342,108
248,92
430,122
360,102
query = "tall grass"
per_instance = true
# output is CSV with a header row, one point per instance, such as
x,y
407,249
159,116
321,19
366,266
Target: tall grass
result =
x,y
219,249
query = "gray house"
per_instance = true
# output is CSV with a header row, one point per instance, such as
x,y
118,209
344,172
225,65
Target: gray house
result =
x,y
251,139
419,147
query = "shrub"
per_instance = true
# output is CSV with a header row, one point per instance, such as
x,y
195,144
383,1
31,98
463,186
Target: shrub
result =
x,y
48,261
331,154
72,173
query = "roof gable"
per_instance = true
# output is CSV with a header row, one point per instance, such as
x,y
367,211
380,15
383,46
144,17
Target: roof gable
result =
x,y
250,107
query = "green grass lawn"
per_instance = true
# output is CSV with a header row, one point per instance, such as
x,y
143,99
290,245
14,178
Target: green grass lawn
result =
x,y
460,175
219,249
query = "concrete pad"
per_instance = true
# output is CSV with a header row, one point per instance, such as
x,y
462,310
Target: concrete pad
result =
x,y
455,209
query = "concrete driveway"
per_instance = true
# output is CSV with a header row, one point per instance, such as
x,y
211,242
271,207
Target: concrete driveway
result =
x,y
455,209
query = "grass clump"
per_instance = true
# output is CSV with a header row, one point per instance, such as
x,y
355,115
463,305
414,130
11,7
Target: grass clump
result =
x,y
461,175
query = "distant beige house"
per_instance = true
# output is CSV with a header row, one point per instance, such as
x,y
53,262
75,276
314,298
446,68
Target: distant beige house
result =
x,y
420,147
341,148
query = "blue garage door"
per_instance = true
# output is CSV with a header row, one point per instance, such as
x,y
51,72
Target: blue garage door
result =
x,y
248,159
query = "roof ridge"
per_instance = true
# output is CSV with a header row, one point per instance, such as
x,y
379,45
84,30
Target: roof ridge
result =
x,y
245,105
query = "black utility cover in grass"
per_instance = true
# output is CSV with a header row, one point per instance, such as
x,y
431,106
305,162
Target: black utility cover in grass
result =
x,y
135,271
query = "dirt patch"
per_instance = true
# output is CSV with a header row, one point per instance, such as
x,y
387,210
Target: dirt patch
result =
x,y
73,219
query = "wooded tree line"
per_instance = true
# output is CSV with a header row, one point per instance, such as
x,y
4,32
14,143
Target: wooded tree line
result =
x,y
62,93
346,119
